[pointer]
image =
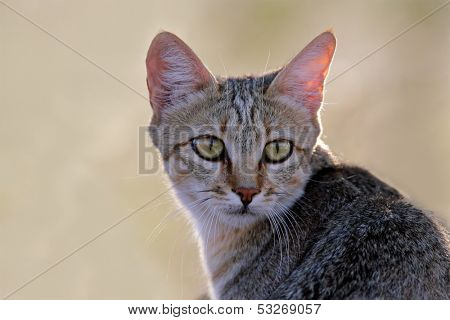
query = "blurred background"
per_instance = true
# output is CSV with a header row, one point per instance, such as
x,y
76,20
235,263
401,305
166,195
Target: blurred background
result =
x,y
69,131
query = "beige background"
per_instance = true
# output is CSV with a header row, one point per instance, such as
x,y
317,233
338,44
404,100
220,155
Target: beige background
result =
x,y
69,132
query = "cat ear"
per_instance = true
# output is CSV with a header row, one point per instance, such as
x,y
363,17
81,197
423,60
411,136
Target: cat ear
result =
x,y
173,71
302,80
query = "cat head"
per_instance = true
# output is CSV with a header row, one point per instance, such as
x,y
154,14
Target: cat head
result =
x,y
239,149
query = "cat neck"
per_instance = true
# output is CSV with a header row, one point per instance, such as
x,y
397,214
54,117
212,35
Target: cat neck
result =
x,y
218,239
226,249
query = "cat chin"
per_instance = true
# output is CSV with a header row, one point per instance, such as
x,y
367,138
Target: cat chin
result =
x,y
231,218
240,220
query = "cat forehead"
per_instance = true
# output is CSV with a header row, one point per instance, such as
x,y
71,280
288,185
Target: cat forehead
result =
x,y
235,109
241,92
236,99
240,99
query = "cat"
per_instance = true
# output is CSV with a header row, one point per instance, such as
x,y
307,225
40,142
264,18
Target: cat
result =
x,y
278,216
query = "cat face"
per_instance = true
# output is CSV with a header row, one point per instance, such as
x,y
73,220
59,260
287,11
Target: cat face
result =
x,y
238,149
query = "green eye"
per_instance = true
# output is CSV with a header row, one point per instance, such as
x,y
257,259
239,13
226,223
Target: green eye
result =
x,y
277,151
209,148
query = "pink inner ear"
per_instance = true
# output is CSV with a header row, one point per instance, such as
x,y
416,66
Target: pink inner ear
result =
x,y
302,80
173,71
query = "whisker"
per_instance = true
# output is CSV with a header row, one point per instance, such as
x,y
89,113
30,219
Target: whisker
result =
x,y
164,220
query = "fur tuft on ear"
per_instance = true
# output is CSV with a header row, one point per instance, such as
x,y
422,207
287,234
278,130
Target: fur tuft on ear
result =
x,y
302,80
173,71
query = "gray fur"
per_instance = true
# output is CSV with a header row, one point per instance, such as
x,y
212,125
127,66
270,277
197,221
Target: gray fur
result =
x,y
318,229
358,239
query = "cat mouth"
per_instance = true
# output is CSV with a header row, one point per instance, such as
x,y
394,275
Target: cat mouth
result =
x,y
244,210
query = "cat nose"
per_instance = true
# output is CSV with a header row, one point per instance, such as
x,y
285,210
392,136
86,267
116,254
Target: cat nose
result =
x,y
246,194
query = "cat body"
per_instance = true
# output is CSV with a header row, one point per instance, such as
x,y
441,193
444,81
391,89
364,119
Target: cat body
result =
x,y
277,216
350,236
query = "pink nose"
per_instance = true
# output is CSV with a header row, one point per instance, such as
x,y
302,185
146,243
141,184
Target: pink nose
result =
x,y
246,194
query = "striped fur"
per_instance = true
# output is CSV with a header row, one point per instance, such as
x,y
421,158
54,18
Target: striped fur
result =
x,y
287,233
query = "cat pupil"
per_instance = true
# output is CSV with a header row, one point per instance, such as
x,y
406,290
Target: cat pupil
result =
x,y
211,141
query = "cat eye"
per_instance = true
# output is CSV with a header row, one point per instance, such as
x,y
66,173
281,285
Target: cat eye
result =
x,y
209,148
277,151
